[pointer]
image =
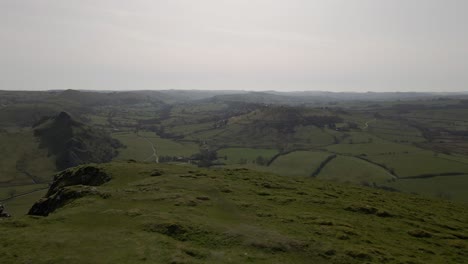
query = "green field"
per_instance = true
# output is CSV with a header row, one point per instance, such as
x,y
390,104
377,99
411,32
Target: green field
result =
x,y
376,147
244,155
167,147
298,163
395,131
22,164
20,205
353,170
7,192
189,129
98,120
423,162
21,150
138,146
311,136
445,187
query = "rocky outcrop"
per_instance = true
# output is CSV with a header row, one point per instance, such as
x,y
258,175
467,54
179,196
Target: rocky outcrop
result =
x,y
85,175
3,214
70,185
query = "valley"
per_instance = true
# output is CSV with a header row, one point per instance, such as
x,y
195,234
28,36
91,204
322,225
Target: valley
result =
x,y
237,132
210,177
414,146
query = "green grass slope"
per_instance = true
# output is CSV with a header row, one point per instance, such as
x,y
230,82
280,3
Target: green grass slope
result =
x,y
150,213
22,161
354,170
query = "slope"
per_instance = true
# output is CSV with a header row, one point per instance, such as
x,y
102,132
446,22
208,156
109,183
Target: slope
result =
x,y
151,213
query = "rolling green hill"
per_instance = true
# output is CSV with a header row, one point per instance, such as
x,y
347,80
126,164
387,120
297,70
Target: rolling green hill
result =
x,y
126,212
74,143
409,142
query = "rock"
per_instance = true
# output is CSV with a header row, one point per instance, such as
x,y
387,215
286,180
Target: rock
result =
x,y
70,185
420,234
156,173
362,209
88,175
174,230
45,206
3,214
359,255
383,214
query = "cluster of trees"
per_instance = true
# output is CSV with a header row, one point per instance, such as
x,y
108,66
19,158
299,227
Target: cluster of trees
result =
x,y
322,121
260,160
206,157
287,125
172,158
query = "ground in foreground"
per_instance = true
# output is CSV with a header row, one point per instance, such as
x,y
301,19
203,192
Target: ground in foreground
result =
x,y
174,214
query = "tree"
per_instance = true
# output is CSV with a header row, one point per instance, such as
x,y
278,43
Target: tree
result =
x,y
206,157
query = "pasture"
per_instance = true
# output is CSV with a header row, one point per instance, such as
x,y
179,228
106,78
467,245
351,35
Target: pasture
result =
x,y
353,170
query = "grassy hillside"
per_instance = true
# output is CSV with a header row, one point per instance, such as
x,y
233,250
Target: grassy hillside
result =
x,y
421,139
408,139
73,143
299,163
350,169
150,213
22,161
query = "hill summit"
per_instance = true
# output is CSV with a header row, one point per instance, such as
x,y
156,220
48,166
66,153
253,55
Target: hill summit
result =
x,y
74,143
127,212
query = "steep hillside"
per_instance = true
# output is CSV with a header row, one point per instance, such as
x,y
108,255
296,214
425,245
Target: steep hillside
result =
x,y
148,213
74,143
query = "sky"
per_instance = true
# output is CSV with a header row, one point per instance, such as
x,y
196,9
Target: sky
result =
x,y
284,45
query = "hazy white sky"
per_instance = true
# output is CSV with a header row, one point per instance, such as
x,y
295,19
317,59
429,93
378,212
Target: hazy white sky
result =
x,y
335,45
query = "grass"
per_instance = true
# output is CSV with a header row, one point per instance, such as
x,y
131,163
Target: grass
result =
x,y
445,187
7,192
353,170
376,147
189,129
395,131
22,150
98,120
239,135
236,155
298,163
167,147
312,136
423,162
237,216
138,146
20,205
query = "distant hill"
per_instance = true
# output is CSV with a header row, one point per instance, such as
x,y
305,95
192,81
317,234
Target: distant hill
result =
x,y
259,98
317,97
150,213
92,98
73,143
